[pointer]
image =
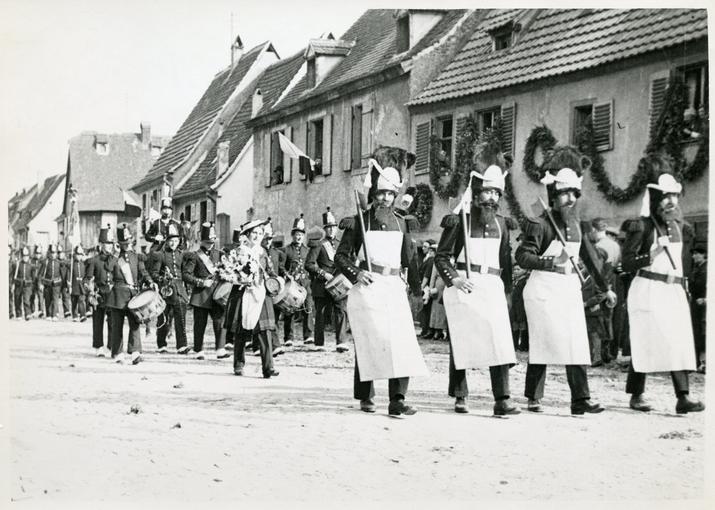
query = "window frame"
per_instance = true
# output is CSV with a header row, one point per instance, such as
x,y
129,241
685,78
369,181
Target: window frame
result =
x,y
275,151
479,115
438,123
574,106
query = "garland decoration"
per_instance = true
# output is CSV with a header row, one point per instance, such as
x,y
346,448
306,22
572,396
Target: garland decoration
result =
x,y
439,169
542,138
422,207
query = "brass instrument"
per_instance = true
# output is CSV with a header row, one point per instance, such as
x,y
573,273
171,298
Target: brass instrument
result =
x,y
166,288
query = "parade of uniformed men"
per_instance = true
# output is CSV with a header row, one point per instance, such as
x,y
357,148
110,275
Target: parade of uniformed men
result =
x,y
427,254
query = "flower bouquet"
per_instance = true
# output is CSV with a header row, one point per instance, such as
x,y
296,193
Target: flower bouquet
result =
x,y
239,267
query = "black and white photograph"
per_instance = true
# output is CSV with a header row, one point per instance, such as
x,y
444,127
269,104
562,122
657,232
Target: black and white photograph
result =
x,y
309,254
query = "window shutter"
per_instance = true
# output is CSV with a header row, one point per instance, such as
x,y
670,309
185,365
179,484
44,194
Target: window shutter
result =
x,y
459,126
658,88
422,147
603,125
355,136
307,146
508,123
365,137
328,144
266,160
287,161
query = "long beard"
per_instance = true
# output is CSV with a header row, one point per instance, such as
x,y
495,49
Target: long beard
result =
x,y
383,213
674,213
487,212
570,214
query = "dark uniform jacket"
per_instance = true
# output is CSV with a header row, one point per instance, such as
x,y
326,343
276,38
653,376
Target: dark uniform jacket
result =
x,y
51,273
452,242
698,281
37,263
99,267
321,265
163,262
351,244
78,272
278,259
194,272
159,227
25,275
295,257
538,236
640,237
122,292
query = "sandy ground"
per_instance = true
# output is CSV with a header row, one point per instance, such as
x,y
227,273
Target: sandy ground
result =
x,y
203,434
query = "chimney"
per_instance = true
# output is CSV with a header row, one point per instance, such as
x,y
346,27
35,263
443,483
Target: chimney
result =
x,y
236,51
222,157
146,133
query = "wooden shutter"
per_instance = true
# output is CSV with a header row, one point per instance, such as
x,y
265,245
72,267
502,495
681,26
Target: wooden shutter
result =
x,y
658,88
459,127
355,136
287,161
508,123
266,159
365,137
307,145
328,144
422,147
603,125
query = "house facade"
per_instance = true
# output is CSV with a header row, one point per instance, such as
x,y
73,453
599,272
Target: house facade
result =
x,y
607,67
348,98
35,221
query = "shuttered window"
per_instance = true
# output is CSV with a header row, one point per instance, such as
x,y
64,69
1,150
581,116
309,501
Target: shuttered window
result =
x,y
266,149
366,136
355,137
287,161
658,88
508,119
603,125
277,161
422,148
328,144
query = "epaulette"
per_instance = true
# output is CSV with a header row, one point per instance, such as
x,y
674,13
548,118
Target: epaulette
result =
x,y
633,225
449,221
347,222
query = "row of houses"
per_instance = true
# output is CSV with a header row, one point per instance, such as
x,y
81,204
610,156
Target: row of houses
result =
x,y
407,78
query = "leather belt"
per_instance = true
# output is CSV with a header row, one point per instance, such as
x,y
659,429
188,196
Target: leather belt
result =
x,y
126,286
383,270
660,277
479,269
47,281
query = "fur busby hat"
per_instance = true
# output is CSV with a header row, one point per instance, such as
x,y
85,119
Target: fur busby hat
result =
x,y
298,224
564,170
208,231
124,235
661,181
105,235
387,166
329,218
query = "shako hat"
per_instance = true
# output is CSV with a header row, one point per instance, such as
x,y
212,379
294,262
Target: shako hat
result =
x,y
298,224
208,231
329,218
124,235
166,202
105,235
173,231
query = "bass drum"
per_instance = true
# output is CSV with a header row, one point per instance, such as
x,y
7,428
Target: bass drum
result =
x,y
221,293
291,298
146,306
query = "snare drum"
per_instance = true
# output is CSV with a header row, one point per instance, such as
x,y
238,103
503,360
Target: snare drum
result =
x,y
291,298
275,285
338,287
221,293
146,306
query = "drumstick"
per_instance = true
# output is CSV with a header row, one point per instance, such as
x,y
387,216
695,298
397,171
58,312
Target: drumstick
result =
x,y
362,231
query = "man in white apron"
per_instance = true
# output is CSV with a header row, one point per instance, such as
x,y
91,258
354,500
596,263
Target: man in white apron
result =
x,y
552,295
477,311
380,318
660,328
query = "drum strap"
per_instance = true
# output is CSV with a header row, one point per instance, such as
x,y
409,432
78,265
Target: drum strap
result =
x,y
126,271
329,249
206,261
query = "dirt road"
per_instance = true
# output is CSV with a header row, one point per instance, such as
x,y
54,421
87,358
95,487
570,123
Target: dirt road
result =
x,y
201,433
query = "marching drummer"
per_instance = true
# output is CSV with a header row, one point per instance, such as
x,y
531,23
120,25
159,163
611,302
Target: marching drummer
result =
x,y
476,307
321,266
661,333
77,293
552,295
278,259
296,255
165,267
248,307
128,273
199,270
385,341
98,279
159,228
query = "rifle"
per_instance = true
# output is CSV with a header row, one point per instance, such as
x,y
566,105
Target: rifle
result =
x,y
362,231
562,240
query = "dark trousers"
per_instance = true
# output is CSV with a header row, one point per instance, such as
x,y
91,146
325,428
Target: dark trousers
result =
x,y
177,312
635,382
201,317
697,313
134,342
327,306
424,316
499,375
38,302
575,375
396,388
66,302
305,316
52,300
264,346
99,315
23,301
79,308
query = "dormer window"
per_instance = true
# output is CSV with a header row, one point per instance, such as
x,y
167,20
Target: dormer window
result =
x,y
310,73
101,145
502,41
503,34
156,150
403,33
257,102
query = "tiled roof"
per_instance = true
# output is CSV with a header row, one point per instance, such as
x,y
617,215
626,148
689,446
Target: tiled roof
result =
x,y
560,41
330,46
271,83
203,115
38,200
375,38
100,179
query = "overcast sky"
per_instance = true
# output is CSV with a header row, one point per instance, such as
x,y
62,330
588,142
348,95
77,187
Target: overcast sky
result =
x,y
73,65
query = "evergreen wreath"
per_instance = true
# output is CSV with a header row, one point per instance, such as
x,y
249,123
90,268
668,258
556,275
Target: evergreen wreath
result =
x,y
542,138
422,207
